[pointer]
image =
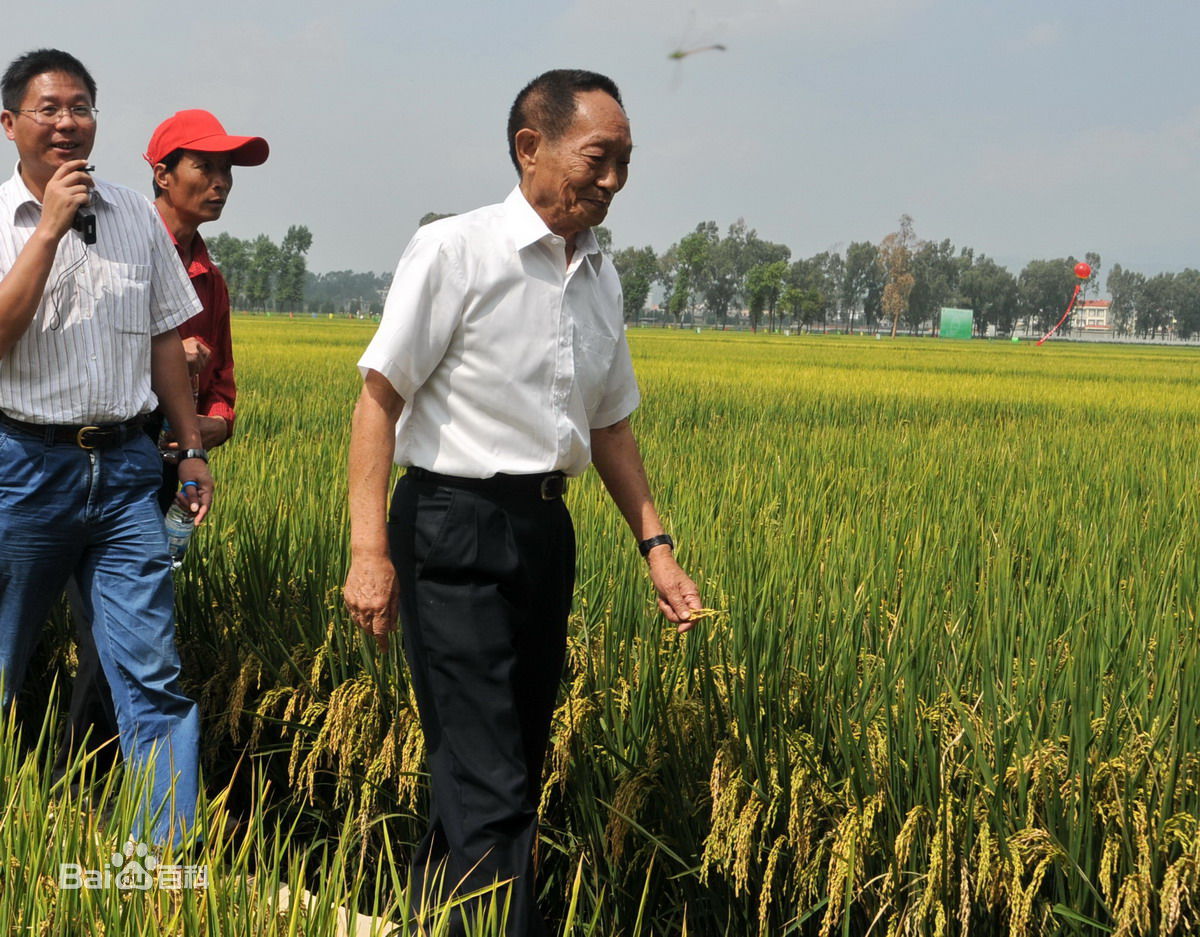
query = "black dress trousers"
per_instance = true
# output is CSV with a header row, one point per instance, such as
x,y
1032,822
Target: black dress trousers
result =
x,y
486,579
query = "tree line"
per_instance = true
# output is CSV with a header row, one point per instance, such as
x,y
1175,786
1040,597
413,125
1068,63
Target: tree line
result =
x,y
719,279
262,275
900,283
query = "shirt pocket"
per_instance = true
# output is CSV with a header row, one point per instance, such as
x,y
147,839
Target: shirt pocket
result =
x,y
126,292
594,350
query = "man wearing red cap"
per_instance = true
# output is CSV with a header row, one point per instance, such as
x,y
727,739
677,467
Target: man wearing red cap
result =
x,y
192,157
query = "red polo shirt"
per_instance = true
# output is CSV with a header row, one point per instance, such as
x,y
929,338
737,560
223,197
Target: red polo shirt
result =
x,y
211,325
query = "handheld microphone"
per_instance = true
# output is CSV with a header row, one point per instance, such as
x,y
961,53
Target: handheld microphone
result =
x,y
84,221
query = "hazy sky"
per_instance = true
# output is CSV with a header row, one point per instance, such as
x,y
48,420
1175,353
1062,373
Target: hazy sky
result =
x,y
1023,129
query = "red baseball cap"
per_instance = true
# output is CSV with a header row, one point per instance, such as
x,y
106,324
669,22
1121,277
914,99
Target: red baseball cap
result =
x,y
199,130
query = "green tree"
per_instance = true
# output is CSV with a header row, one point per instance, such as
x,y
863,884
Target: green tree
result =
x,y
433,216
725,272
1125,288
935,270
638,269
827,271
1091,286
1045,287
603,238
811,284
757,253
990,291
342,288
669,278
232,256
1187,302
1156,308
791,302
263,262
693,256
861,278
292,268
764,283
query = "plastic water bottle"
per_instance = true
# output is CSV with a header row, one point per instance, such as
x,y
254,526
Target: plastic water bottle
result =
x,y
179,526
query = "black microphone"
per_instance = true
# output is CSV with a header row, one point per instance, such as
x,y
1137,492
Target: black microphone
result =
x,y
84,221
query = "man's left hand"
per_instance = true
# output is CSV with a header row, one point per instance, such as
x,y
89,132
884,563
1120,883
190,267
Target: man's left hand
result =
x,y
197,497
678,596
213,431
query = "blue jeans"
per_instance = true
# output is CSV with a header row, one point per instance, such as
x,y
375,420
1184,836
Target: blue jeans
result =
x,y
92,513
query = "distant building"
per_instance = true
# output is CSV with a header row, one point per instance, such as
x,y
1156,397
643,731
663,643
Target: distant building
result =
x,y
1092,315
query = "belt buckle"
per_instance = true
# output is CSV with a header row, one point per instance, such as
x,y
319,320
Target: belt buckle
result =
x,y
79,436
553,487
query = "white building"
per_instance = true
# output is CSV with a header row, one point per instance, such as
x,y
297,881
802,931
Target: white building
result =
x,y
1092,315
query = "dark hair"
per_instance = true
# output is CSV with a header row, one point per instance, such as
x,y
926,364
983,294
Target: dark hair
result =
x,y
547,104
38,62
170,161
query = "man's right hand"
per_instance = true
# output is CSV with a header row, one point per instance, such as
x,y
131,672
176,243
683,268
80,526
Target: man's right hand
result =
x,y
372,596
69,189
197,354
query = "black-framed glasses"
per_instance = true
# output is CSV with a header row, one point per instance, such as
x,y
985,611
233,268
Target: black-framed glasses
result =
x,y
51,113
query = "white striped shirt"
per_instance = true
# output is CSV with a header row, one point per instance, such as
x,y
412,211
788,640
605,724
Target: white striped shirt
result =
x,y
85,357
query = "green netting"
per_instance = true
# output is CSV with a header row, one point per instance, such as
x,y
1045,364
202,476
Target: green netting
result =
x,y
956,323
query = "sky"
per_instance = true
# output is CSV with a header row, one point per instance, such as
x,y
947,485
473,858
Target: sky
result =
x,y
1022,129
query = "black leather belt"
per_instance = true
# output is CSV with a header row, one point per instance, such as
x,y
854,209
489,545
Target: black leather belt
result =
x,y
85,436
549,486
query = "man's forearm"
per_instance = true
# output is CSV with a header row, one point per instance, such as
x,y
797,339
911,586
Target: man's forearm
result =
x,y
22,288
171,385
616,457
619,464
372,442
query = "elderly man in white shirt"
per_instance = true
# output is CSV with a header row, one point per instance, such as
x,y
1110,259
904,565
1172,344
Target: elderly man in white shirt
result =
x,y
499,370
91,290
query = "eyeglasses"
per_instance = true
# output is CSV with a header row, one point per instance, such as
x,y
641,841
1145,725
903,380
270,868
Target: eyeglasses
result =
x,y
51,114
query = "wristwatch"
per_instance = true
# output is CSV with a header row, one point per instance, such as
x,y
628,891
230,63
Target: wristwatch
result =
x,y
645,546
201,454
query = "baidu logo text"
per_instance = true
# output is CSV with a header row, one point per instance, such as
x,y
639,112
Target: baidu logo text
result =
x,y
134,869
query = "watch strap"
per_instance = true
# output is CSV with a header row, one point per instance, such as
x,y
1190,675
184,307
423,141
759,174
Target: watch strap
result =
x,y
645,546
201,454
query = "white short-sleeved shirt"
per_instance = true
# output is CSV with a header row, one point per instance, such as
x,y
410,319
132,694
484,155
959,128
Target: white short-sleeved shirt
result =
x,y
85,357
506,356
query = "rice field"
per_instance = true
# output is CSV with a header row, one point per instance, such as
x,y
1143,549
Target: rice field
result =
x,y
953,686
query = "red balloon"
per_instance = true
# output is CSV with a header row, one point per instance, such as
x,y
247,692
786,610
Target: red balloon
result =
x,y
1082,270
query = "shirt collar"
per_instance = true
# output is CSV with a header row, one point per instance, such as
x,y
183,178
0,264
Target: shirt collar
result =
x,y
526,227
15,194
201,261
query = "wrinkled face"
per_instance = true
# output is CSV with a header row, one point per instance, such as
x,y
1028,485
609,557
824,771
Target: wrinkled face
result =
x,y
43,148
197,187
571,181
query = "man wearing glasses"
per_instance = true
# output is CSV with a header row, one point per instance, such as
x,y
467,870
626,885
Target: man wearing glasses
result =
x,y
91,291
